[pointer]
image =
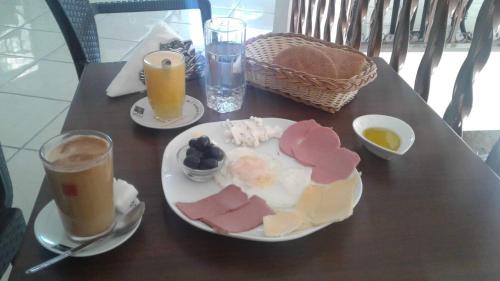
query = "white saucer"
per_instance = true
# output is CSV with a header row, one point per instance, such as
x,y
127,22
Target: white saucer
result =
x,y
142,113
50,233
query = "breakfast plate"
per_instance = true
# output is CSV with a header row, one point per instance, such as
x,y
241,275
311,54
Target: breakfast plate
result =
x,y
142,114
50,233
178,188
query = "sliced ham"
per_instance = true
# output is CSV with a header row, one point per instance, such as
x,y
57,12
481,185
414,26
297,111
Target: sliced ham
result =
x,y
315,144
334,165
247,217
294,135
226,200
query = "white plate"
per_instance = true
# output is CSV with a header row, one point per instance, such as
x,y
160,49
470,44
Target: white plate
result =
x,y
49,232
178,188
192,111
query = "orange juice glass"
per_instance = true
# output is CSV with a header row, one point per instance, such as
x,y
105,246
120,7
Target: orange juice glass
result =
x,y
166,83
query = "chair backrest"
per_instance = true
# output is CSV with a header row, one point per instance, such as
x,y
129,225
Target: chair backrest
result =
x,y
77,22
313,18
402,34
5,183
358,12
434,49
493,159
461,103
376,28
12,223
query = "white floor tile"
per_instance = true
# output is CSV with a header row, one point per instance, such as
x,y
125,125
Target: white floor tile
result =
x,y
30,43
8,152
17,12
100,17
11,66
111,50
26,188
35,5
228,4
53,129
60,54
45,22
257,5
193,16
221,12
22,117
4,30
257,22
128,26
184,16
46,79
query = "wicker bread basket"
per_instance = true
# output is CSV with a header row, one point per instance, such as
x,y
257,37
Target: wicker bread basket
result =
x,y
328,94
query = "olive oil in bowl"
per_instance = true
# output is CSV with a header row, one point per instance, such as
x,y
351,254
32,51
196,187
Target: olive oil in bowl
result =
x,y
383,137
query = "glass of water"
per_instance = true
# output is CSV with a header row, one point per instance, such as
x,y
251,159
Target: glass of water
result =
x,y
225,53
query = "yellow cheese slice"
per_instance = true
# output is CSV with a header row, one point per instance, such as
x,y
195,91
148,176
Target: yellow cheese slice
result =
x,y
327,203
309,200
282,223
335,203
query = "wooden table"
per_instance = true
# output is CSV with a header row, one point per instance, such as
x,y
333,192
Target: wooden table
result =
x,y
433,214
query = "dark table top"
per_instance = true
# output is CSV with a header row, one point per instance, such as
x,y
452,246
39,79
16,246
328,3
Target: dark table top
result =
x,y
433,214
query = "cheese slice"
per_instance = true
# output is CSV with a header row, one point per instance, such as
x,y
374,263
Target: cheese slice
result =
x,y
327,203
336,203
309,200
282,223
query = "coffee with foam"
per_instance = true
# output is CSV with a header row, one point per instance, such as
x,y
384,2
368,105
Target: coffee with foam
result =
x,y
80,170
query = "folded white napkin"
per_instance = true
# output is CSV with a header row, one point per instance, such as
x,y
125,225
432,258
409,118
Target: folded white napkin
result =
x,y
127,80
125,195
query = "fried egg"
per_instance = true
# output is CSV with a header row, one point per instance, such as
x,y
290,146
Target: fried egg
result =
x,y
259,174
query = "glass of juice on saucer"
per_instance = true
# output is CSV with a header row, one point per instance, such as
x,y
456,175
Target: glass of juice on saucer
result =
x,y
164,72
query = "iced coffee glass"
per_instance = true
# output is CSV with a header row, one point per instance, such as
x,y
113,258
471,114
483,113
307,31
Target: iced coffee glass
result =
x,y
79,167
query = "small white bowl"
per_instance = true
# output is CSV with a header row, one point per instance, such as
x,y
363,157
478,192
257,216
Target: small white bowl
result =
x,y
401,128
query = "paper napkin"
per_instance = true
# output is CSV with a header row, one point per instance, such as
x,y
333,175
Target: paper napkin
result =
x,y
128,79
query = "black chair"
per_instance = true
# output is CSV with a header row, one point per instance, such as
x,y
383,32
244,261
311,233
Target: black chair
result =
x,y
493,159
12,224
77,23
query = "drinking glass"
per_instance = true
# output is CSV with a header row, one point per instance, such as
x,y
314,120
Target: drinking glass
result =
x,y
164,72
225,53
79,167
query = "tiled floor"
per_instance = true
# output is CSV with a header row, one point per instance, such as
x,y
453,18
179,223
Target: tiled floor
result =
x,y
38,80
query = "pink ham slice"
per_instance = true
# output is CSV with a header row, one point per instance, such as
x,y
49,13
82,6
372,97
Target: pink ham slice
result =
x,y
228,199
295,134
317,141
247,217
334,165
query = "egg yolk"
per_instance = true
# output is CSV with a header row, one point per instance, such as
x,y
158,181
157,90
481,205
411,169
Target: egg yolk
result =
x,y
252,170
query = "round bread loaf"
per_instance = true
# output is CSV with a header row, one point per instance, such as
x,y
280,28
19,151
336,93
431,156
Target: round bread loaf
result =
x,y
307,59
347,64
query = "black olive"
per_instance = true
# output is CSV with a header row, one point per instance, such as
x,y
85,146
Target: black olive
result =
x,y
194,152
208,163
216,153
193,143
192,162
202,143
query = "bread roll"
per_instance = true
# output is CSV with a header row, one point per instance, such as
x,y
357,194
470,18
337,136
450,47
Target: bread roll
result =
x,y
307,59
348,64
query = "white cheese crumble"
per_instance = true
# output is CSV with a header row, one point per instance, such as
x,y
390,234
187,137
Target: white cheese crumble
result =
x,y
249,132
